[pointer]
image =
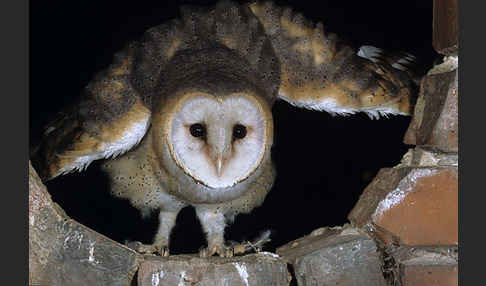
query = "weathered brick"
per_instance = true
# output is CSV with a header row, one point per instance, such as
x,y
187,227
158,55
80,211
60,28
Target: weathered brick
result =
x,y
435,119
445,27
254,269
335,256
411,206
420,157
64,252
428,269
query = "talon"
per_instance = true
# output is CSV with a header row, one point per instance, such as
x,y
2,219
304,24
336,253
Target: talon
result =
x,y
160,249
239,249
163,250
229,252
220,250
203,253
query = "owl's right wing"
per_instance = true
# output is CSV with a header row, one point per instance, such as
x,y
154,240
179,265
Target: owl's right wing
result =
x,y
108,120
321,72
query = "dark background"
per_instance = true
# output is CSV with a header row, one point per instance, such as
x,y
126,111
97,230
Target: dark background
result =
x,y
323,162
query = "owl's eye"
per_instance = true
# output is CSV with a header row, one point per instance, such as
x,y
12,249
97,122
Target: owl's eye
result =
x,y
239,131
198,130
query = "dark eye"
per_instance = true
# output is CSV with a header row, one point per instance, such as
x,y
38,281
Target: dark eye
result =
x,y
239,131
198,130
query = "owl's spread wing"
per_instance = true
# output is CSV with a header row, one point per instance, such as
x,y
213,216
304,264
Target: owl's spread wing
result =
x,y
108,120
320,72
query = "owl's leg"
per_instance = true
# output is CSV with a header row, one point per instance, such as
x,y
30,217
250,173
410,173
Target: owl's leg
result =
x,y
160,245
213,224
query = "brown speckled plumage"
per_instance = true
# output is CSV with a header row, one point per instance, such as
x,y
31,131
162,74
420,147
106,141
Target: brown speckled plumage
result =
x,y
258,51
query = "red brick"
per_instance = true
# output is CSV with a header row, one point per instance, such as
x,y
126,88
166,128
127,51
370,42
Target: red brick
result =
x,y
445,27
431,269
411,206
431,275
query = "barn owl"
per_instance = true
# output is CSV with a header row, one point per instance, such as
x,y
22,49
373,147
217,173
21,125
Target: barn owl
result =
x,y
183,116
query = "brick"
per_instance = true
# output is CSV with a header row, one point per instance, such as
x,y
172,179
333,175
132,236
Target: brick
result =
x,y
64,252
435,120
411,206
420,157
262,268
335,256
428,269
445,27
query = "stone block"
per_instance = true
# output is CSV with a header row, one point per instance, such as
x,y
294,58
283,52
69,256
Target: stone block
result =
x,y
262,268
420,157
64,252
335,256
428,269
435,119
445,37
411,206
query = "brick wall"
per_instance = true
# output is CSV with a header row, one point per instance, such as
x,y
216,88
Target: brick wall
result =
x,y
403,231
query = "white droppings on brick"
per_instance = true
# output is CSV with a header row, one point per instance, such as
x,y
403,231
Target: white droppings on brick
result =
x,y
428,159
450,63
404,187
319,231
91,258
91,252
270,254
77,237
155,279
241,268
429,258
350,231
181,281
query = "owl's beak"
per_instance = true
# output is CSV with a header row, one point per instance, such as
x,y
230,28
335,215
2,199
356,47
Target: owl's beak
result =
x,y
219,156
220,149
219,166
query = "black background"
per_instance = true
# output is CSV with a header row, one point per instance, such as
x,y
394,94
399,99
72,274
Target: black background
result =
x,y
323,162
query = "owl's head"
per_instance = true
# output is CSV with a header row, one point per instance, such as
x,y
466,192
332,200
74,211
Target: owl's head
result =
x,y
219,141
212,119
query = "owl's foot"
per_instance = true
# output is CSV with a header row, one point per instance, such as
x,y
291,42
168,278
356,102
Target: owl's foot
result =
x,y
219,249
224,251
156,248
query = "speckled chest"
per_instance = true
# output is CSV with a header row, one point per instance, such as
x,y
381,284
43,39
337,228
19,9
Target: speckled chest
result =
x,y
150,182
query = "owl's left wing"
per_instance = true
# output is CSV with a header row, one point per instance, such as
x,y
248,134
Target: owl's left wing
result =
x,y
109,119
320,72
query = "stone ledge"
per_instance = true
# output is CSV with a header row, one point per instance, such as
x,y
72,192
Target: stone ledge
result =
x,y
335,256
262,268
64,252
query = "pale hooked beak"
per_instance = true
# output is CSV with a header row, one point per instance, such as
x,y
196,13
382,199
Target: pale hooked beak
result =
x,y
219,166
220,145
219,158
